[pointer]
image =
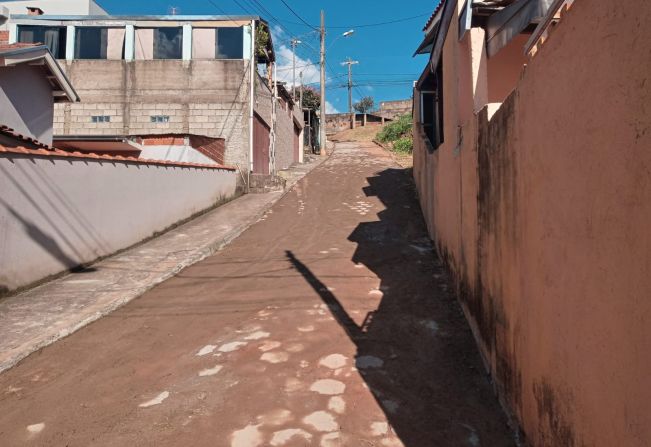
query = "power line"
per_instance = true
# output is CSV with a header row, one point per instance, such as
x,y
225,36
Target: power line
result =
x,y
369,25
296,14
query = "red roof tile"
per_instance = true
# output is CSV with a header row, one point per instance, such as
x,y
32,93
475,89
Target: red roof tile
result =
x,y
4,46
431,18
16,143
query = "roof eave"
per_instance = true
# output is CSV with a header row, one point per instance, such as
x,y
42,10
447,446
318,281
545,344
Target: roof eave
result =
x,y
41,52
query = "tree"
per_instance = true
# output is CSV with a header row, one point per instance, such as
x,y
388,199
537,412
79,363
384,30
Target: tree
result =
x,y
311,99
364,105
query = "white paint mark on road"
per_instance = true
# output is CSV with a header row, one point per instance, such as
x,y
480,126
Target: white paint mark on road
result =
x,y
156,400
275,357
249,436
35,428
321,421
292,385
233,346
206,350
330,440
259,335
276,418
337,404
308,328
328,387
334,361
430,324
210,371
269,346
295,347
284,436
390,405
379,428
369,361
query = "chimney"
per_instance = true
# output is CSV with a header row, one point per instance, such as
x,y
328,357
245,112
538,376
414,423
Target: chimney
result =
x,y
34,11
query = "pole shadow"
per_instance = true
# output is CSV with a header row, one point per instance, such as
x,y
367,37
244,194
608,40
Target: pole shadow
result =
x,y
415,351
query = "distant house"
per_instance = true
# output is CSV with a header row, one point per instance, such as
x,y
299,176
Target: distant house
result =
x,y
31,83
394,109
54,7
189,77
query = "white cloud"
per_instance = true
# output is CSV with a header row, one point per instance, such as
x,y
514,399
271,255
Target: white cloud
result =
x,y
284,66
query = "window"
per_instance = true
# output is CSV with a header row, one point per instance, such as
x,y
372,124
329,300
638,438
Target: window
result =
x,y
52,36
218,43
91,43
168,43
431,109
99,43
160,119
229,43
100,119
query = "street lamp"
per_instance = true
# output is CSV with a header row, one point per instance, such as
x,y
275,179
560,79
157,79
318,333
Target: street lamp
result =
x,y
346,34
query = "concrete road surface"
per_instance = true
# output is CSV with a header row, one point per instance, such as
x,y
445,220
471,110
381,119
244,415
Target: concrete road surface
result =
x,y
328,323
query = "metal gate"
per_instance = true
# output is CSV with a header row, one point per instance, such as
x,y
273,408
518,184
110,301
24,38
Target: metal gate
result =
x,y
260,146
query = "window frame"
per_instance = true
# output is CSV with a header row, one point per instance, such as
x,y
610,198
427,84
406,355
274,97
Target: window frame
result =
x,y
62,39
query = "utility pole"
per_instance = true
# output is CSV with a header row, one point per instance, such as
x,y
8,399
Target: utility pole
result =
x,y
350,64
322,124
301,97
294,42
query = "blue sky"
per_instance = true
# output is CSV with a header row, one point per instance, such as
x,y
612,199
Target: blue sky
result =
x,y
384,52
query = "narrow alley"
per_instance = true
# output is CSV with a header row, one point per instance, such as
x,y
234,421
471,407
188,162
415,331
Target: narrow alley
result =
x,y
329,322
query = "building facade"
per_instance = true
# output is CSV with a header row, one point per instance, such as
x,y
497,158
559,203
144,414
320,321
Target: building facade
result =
x,y
532,161
171,75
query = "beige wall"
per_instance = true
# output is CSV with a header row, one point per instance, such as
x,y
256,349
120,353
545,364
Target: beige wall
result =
x,y
57,213
26,102
542,216
284,124
56,7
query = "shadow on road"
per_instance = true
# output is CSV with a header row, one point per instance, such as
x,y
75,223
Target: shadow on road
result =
x,y
415,351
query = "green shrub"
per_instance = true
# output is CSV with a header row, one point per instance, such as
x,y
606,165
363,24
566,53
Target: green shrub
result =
x,y
404,145
395,130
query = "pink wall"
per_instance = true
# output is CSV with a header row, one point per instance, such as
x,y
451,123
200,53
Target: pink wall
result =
x,y
542,215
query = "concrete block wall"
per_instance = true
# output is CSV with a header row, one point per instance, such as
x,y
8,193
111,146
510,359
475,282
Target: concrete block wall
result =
x,y
208,98
284,124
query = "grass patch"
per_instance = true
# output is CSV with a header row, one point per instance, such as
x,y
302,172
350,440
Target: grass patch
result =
x,y
396,130
404,145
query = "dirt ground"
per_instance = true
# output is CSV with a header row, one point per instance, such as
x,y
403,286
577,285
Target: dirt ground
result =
x,y
368,134
327,323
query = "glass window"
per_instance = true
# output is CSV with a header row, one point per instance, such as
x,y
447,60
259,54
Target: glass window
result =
x,y
91,43
52,36
229,43
168,43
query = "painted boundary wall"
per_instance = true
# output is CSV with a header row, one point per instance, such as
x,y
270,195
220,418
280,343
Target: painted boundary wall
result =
x,y
59,213
542,215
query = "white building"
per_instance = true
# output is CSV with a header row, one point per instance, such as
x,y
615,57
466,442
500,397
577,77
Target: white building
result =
x,y
54,7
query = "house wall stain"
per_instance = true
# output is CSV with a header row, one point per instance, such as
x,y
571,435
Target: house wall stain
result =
x,y
540,211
